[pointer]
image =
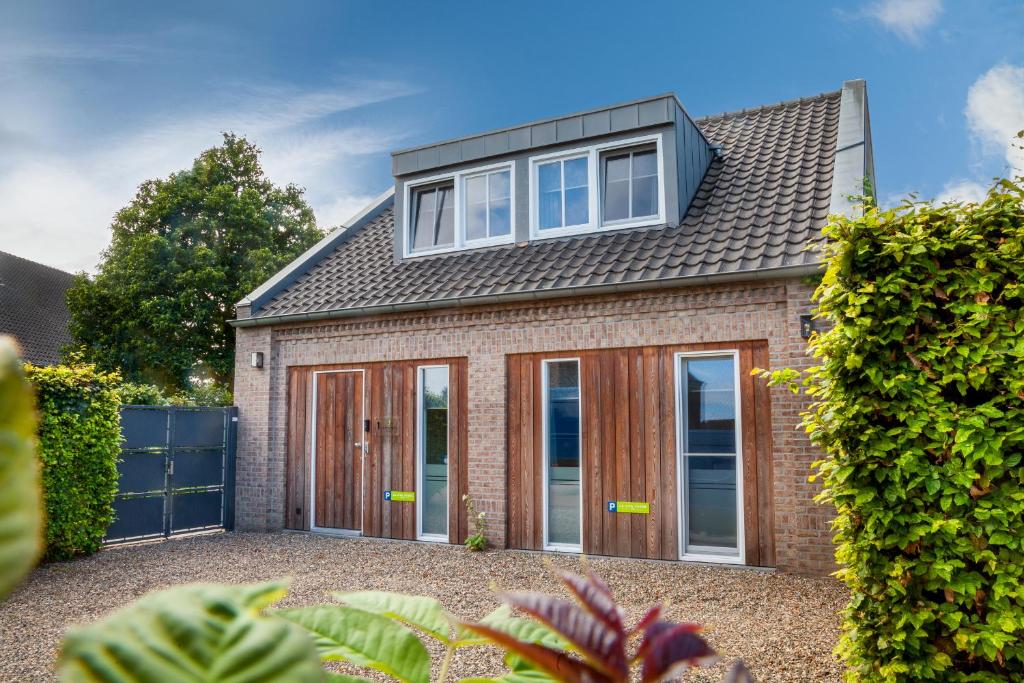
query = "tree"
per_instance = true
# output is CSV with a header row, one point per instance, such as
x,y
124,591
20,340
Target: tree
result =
x,y
182,253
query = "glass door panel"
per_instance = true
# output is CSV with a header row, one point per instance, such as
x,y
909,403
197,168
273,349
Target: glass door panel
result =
x,y
562,449
709,458
433,451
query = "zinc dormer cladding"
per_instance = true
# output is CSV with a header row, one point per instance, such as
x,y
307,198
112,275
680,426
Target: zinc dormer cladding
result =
x,y
552,178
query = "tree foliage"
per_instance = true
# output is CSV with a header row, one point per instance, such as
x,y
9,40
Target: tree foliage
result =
x,y
184,251
918,404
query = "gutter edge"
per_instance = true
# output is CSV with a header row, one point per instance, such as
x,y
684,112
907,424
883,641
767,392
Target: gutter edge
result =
x,y
583,290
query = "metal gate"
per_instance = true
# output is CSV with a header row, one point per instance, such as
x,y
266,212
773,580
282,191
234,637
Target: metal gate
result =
x,y
177,472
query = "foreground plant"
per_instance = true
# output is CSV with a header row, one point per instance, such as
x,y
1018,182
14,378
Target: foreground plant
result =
x,y
193,633
589,642
21,518
585,641
215,633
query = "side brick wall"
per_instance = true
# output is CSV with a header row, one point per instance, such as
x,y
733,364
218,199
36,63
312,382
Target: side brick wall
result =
x,y
734,312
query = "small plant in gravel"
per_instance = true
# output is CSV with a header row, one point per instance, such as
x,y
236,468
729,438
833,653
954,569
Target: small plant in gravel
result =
x,y
477,541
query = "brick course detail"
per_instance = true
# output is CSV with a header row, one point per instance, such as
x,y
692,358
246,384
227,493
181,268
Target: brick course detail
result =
x,y
767,310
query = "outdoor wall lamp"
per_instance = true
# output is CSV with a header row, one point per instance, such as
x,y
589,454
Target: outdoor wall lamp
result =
x,y
806,326
257,359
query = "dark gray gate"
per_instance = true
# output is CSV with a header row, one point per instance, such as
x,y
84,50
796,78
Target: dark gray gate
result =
x,y
177,472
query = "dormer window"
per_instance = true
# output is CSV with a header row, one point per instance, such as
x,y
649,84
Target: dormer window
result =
x,y
603,187
488,205
630,184
433,217
471,208
632,165
563,193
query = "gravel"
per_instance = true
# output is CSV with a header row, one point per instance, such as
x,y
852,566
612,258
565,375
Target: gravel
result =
x,y
782,625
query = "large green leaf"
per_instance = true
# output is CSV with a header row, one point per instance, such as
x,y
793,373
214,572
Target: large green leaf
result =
x,y
201,632
364,639
426,614
20,503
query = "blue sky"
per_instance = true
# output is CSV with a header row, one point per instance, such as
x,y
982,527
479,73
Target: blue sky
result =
x,y
97,97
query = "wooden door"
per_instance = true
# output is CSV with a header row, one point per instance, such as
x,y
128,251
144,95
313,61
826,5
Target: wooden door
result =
x,y
338,455
389,461
628,410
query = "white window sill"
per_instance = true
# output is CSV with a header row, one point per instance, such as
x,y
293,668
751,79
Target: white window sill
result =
x,y
432,538
563,548
711,559
469,246
574,230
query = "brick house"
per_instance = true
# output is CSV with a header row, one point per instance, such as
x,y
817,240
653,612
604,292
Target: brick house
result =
x,y
560,319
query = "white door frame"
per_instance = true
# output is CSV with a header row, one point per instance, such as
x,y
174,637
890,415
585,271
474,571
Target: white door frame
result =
x,y
739,558
545,456
312,456
421,470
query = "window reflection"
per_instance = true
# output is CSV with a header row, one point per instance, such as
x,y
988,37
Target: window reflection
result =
x,y
562,418
708,402
434,450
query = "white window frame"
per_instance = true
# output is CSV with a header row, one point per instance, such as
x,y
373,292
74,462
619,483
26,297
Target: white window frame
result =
x,y
458,179
560,547
740,556
312,462
421,470
535,163
595,196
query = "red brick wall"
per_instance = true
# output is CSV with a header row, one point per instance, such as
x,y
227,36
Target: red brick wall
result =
x,y
765,310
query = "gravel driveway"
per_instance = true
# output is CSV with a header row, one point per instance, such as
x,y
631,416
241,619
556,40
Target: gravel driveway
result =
x,y
783,626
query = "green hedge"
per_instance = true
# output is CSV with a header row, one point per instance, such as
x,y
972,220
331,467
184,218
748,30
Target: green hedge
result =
x,y
79,445
919,408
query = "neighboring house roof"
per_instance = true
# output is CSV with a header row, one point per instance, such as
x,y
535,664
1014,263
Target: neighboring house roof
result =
x,y
33,307
760,206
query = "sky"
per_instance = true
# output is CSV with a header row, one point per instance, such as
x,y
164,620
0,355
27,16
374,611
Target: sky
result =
x,y
96,97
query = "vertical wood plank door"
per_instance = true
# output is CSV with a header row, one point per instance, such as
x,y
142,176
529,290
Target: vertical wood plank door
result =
x,y
338,458
630,452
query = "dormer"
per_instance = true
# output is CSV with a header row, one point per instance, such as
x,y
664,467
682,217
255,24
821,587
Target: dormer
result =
x,y
627,166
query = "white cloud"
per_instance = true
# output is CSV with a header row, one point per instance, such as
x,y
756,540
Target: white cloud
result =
x,y
58,200
995,113
906,18
961,191
342,208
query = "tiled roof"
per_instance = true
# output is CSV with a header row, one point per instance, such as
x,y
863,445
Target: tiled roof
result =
x,y
759,206
33,308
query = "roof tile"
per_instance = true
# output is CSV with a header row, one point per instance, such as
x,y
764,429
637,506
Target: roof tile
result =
x,y
758,207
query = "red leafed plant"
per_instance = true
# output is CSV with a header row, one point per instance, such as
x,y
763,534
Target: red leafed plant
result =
x,y
593,628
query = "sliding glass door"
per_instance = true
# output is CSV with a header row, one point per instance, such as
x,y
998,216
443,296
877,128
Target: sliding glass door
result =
x,y
709,457
432,452
562,454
